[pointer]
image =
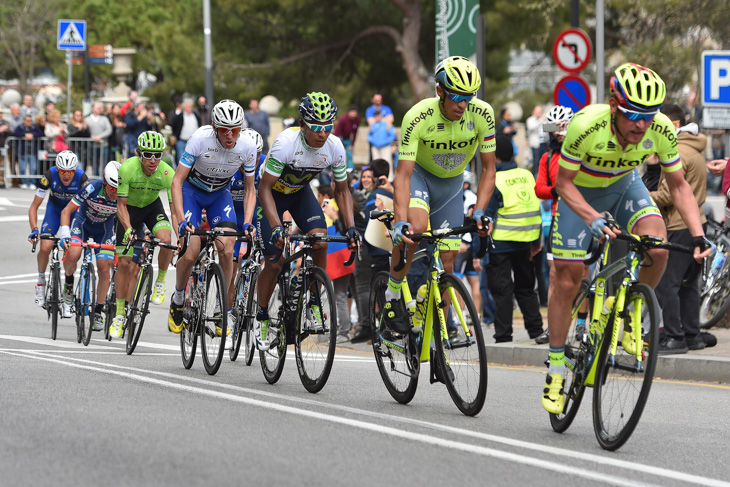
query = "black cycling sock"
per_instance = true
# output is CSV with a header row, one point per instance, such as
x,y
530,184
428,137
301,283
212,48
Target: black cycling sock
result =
x,y
70,280
262,313
98,308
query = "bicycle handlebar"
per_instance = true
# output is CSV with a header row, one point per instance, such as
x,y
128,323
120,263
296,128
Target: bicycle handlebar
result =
x,y
311,238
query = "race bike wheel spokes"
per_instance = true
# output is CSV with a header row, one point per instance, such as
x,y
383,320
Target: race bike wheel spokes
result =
x,y
622,383
715,296
214,320
315,344
138,308
191,318
272,360
392,351
575,362
460,347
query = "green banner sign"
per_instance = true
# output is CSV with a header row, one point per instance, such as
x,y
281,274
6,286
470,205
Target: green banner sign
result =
x,y
456,28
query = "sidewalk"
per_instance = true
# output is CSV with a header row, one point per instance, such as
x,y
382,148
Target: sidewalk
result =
x,y
708,365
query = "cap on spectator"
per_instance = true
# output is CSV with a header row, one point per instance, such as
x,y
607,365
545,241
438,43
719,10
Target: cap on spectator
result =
x,y
504,151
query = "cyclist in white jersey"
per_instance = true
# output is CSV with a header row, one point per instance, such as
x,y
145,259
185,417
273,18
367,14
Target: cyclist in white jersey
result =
x,y
212,155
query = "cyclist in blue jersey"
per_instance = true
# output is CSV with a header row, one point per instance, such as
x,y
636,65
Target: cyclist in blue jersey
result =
x,y
61,183
97,206
213,154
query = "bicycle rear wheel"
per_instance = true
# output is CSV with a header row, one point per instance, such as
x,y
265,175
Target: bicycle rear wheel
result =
x,y
139,308
214,320
622,384
87,299
314,346
191,318
460,349
397,356
575,363
272,360
52,298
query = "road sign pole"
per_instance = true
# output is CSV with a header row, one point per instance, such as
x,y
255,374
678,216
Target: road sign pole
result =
x,y
69,58
600,58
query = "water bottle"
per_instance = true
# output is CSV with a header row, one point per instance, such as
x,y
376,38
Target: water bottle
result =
x,y
718,262
420,312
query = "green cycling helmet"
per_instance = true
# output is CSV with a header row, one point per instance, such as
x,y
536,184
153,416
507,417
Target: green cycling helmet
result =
x,y
151,141
457,73
638,88
318,107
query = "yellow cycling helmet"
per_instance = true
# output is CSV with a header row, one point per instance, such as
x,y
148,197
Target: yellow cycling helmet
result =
x,y
638,88
457,73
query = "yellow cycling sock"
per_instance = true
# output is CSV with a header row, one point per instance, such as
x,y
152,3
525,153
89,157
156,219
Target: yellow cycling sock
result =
x,y
161,276
120,307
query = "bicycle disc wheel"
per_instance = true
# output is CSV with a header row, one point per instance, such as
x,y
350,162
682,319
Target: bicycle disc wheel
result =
x,y
314,345
575,363
189,332
621,388
272,360
248,319
214,320
392,351
88,305
139,307
110,307
460,347
54,302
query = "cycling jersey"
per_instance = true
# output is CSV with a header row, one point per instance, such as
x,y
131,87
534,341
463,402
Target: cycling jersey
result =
x,y
212,166
295,163
60,194
140,189
238,188
591,147
93,205
443,147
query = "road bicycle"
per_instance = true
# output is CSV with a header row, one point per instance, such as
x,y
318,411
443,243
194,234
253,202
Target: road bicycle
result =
x,y
715,293
446,321
205,311
53,295
139,306
85,294
302,313
596,357
110,302
245,304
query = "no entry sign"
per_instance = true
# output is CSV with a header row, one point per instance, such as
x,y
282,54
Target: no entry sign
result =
x,y
572,50
572,91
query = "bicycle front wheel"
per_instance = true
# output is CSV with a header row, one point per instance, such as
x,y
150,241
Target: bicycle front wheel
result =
x,y
244,304
139,307
248,319
87,299
52,300
575,362
715,298
189,332
215,320
460,347
622,383
110,308
396,355
272,360
314,346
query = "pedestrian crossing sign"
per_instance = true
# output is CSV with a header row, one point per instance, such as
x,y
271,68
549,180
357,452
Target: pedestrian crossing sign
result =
x,y
71,35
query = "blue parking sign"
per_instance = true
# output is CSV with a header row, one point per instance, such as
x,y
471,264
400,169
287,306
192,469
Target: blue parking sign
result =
x,y
716,78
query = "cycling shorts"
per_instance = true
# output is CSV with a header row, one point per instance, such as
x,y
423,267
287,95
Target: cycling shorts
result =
x,y
239,228
102,232
218,206
52,218
627,200
152,217
442,198
464,263
305,212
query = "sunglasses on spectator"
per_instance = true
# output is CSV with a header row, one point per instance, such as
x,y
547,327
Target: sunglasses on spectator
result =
x,y
457,98
224,131
637,116
318,128
151,155
66,172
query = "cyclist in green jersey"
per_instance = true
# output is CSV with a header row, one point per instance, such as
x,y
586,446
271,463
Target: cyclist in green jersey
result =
x,y
598,172
141,178
439,137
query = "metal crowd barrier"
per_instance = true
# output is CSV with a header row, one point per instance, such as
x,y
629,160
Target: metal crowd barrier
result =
x,y
29,159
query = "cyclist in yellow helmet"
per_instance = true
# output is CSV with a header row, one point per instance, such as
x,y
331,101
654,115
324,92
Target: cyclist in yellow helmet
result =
x,y
603,148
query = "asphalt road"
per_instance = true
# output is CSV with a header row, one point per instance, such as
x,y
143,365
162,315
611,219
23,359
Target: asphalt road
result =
x,y
74,415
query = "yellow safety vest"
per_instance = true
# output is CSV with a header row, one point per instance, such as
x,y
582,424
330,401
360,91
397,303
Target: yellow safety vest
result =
x,y
519,219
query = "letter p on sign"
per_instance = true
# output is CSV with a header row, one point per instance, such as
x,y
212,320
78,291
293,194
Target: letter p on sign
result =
x,y
716,78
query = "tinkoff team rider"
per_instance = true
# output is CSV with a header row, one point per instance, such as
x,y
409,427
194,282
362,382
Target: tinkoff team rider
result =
x,y
97,205
598,172
213,154
141,178
63,181
298,155
439,137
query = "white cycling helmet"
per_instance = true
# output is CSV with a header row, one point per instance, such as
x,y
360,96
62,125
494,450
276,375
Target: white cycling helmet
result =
x,y
111,174
255,138
227,113
558,114
67,161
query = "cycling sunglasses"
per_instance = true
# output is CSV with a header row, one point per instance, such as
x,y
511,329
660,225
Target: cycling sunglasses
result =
x,y
318,128
66,172
637,116
459,98
151,155
224,131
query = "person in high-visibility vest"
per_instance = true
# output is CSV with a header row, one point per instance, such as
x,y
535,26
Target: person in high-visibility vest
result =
x,y
516,212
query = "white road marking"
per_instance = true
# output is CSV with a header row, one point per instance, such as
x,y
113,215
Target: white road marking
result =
x,y
17,276
53,343
6,202
126,372
18,218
